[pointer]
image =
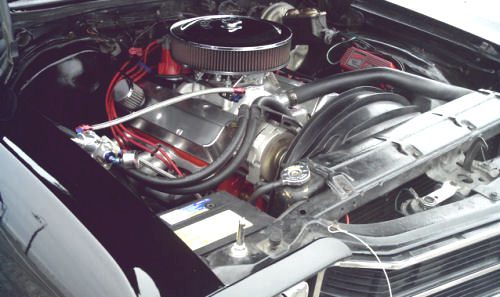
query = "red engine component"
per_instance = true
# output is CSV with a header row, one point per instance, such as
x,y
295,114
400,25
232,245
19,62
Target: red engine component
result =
x,y
355,58
236,185
167,65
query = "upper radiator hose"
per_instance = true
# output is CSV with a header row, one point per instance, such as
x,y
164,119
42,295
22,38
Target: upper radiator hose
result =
x,y
413,84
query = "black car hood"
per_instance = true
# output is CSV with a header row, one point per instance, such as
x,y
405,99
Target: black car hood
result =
x,y
447,29
479,18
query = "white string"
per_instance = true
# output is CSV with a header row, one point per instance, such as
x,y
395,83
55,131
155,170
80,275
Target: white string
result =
x,y
333,230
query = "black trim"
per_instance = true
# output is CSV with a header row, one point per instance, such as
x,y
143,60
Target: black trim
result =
x,y
119,220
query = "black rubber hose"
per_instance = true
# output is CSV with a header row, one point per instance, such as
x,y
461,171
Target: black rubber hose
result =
x,y
233,165
273,104
197,177
411,83
264,189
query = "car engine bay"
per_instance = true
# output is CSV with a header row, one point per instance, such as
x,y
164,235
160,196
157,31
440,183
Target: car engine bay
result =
x,y
254,129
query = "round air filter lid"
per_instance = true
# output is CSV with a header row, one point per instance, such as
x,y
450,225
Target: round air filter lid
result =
x,y
230,44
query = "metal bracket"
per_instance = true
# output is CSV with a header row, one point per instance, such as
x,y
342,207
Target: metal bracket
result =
x,y
341,183
487,192
447,190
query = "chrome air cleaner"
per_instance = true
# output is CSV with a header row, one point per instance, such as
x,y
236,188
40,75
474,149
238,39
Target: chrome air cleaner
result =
x,y
228,44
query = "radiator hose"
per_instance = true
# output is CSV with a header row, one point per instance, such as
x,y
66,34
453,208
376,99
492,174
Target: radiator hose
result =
x,y
413,84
